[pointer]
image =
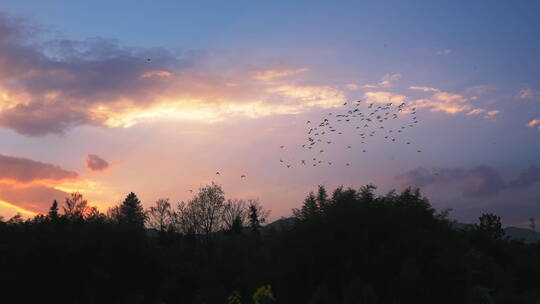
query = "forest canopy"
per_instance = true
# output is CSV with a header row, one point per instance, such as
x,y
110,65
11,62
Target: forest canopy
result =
x,y
347,246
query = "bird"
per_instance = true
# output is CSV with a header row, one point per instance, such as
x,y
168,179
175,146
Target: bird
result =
x,y
190,191
217,173
288,166
281,147
148,59
243,176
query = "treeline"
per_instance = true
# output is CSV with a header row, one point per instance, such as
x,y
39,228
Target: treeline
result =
x,y
350,246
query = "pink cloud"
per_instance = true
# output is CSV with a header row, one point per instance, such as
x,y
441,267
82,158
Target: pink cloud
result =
x,y
24,170
96,163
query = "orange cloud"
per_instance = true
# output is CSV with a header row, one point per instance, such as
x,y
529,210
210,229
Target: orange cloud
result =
x,y
533,123
425,89
102,83
384,97
29,187
273,74
163,74
476,112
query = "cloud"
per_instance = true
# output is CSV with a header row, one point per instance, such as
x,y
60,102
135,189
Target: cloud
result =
x,y
476,112
425,89
386,81
51,87
475,182
269,75
527,177
421,177
493,113
30,186
446,102
351,87
22,170
96,163
384,97
369,86
483,181
444,52
33,198
533,123
527,93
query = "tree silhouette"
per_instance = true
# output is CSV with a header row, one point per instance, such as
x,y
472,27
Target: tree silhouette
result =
x,y
234,215
257,215
310,208
490,225
75,206
53,211
159,216
131,212
359,248
208,205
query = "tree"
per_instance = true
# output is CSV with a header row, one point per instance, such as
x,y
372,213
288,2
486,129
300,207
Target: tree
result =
x,y
159,216
131,212
75,206
309,210
234,215
53,211
257,215
322,198
207,207
490,224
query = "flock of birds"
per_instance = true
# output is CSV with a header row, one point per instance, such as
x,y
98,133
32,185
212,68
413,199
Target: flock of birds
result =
x,y
375,120
370,122
384,121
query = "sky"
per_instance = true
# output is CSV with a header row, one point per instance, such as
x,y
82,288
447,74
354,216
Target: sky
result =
x,y
105,98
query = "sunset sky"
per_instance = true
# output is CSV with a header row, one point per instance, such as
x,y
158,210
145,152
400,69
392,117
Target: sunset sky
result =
x,y
155,97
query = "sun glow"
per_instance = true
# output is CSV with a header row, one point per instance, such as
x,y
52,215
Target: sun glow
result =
x,y
17,208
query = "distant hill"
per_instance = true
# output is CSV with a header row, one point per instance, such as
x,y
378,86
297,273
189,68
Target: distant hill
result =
x,y
525,235
520,234
280,224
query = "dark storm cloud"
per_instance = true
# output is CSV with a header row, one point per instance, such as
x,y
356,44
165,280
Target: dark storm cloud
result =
x,y
421,177
483,180
527,177
476,182
25,170
96,163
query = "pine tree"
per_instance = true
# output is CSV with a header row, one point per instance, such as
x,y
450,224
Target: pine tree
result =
x,y
322,198
131,212
53,211
310,209
254,222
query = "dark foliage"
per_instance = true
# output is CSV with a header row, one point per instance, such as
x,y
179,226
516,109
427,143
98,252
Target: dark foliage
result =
x,y
348,247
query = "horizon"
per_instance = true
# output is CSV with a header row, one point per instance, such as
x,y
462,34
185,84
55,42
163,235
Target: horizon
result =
x,y
108,99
